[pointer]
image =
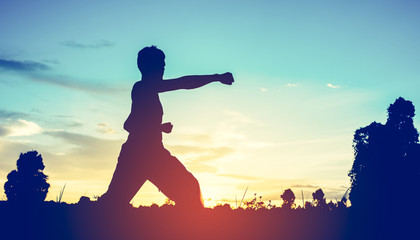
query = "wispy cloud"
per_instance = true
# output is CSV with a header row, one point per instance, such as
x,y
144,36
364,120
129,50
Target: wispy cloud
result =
x,y
238,117
71,83
198,158
104,128
52,61
240,177
292,84
304,186
4,131
75,138
22,66
74,124
332,86
89,151
40,72
12,115
198,137
263,89
96,45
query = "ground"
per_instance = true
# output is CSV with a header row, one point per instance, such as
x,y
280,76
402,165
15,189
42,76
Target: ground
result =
x,y
92,221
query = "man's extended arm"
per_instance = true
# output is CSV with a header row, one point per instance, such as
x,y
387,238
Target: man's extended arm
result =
x,y
191,82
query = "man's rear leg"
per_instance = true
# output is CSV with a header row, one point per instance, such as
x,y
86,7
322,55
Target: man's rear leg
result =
x,y
125,183
178,184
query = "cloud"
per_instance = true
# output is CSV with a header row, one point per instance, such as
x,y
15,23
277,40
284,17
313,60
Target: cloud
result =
x,y
201,138
71,83
12,115
238,117
239,176
74,124
198,158
23,66
332,86
4,131
255,144
52,61
292,84
13,124
308,141
67,121
20,128
104,128
75,138
96,45
263,89
36,110
88,155
42,73
304,186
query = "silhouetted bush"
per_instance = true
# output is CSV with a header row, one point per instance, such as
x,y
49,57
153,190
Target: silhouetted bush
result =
x,y
288,199
319,199
255,204
27,184
84,200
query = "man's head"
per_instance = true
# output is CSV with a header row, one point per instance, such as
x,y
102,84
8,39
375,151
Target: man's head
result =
x,y
151,61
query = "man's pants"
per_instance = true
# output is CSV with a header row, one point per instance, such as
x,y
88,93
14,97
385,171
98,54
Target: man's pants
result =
x,y
140,162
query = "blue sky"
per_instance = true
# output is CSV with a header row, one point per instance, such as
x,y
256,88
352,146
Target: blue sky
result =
x,y
308,74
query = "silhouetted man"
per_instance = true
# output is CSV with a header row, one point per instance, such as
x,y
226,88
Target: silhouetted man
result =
x,y
143,156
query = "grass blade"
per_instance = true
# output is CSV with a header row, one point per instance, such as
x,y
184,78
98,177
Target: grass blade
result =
x,y
243,197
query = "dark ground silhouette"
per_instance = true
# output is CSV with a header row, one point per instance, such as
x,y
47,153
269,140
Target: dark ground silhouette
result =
x,y
93,221
143,156
90,220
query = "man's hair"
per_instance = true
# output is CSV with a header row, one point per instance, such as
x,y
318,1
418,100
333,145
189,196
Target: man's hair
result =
x,y
149,59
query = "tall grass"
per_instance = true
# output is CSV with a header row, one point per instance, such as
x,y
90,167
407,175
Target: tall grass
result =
x,y
243,197
60,196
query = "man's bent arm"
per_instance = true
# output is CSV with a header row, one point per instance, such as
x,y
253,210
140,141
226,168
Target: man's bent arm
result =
x,y
195,81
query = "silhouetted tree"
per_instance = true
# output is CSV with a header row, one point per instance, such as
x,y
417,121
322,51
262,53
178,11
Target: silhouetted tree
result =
x,y
386,158
288,199
28,184
319,199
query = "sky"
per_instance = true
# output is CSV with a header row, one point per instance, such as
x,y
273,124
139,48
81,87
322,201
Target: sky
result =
x,y
307,75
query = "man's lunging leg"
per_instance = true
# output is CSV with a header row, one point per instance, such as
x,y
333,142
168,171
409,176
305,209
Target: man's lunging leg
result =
x,y
178,184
